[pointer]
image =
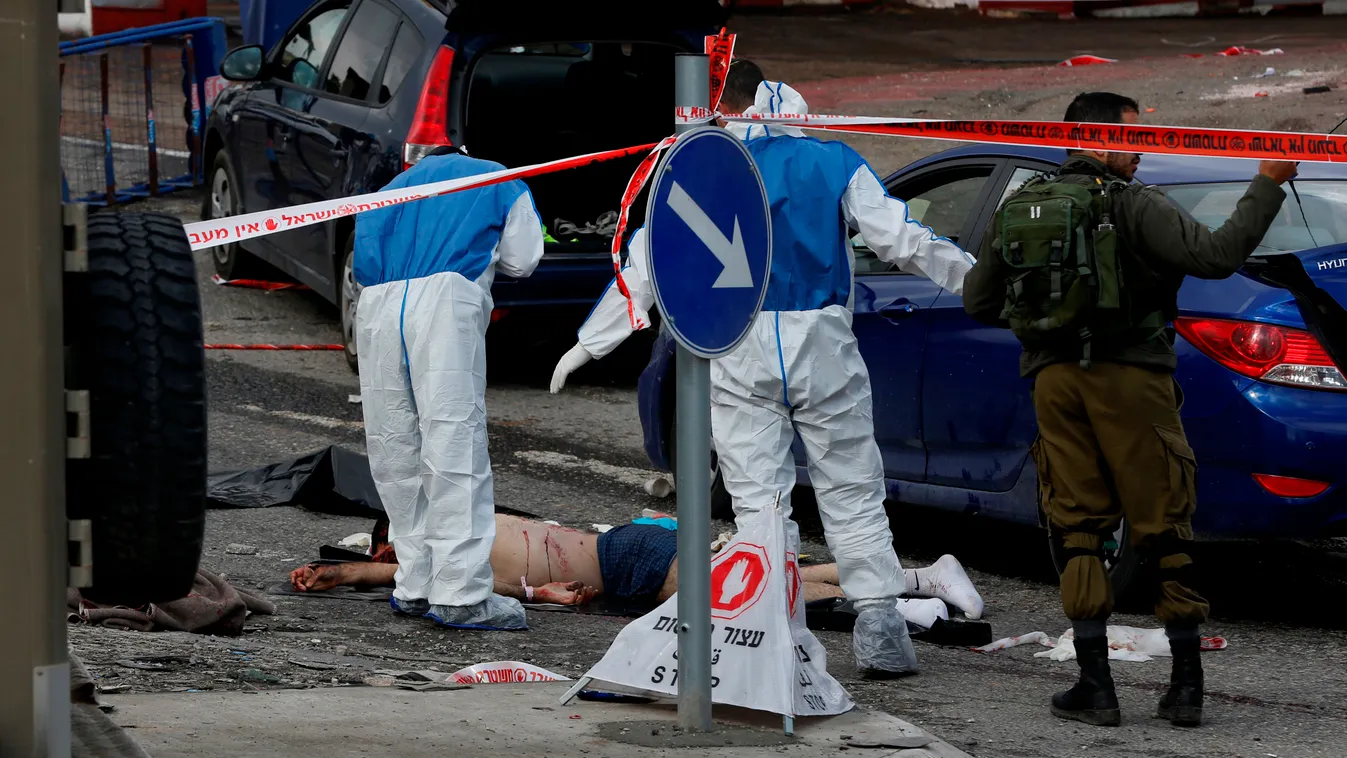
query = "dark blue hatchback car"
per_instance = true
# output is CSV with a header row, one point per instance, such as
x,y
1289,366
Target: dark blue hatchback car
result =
x,y
1266,406
357,90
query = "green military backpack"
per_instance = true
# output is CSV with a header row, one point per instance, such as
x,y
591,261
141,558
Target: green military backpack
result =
x,y
1067,288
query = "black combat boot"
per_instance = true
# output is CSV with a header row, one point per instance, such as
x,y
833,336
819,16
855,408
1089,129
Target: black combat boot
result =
x,y
1092,700
1182,705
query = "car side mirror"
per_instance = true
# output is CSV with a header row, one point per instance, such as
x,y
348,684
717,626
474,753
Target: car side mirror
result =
x,y
243,64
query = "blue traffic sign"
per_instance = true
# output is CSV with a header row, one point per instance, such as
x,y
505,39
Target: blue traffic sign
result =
x,y
710,235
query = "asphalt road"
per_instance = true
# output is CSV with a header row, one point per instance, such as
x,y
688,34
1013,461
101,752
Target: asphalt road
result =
x,y
1278,690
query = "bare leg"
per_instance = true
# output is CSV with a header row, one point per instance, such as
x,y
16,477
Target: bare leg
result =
x,y
820,591
823,574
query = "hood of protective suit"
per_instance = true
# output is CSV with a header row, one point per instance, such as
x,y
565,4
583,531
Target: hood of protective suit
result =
x,y
772,98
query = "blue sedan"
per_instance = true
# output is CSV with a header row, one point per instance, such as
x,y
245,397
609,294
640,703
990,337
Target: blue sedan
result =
x,y
1266,406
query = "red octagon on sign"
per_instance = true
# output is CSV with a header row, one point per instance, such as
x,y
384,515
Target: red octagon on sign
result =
x,y
738,578
793,584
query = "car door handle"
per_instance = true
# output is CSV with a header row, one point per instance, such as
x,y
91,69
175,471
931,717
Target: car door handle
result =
x,y
897,311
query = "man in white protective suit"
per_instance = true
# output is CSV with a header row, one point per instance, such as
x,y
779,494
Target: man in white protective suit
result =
x,y
426,268
799,369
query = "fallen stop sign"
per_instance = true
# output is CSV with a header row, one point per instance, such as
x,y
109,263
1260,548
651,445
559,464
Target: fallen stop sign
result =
x,y
738,579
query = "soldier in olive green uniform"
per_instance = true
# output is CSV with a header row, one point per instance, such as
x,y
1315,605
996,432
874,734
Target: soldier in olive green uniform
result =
x,y
1110,440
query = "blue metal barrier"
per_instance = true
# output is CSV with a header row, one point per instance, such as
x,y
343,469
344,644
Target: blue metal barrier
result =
x,y
114,148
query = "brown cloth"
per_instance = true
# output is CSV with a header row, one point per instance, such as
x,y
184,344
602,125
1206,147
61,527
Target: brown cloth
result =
x,y
1111,445
214,606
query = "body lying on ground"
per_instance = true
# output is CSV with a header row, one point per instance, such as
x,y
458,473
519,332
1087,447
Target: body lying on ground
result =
x,y
636,562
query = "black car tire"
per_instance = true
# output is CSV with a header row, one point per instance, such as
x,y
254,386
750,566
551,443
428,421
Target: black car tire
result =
x,y
348,294
134,342
222,200
1124,568
722,505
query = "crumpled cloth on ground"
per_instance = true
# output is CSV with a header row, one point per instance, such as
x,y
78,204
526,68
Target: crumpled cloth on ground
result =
x,y
214,606
1125,643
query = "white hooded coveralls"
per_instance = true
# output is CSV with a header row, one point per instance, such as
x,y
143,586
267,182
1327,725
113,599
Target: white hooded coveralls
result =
x,y
426,269
800,370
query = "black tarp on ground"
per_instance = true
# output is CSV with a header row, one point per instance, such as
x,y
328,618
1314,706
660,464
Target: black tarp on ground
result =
x,y
333,480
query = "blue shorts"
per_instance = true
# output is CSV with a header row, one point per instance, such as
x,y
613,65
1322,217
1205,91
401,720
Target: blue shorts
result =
x,y
634,560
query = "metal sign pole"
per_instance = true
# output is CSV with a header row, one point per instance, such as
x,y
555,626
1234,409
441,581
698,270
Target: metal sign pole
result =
x,y
692,78
34,669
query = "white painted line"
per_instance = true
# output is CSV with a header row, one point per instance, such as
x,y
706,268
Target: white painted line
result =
x,y
307,418
127,146
622,474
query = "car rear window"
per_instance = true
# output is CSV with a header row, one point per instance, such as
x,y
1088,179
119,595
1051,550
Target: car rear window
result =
x,y
1314,215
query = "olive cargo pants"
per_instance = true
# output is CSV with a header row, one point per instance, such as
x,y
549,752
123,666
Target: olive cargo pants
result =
x,y
1111,445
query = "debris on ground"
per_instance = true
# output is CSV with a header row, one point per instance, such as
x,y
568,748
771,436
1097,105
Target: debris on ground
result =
x,y
359,539
421,681
659,486
1086,60
1241,50
505,672
155,662
236,548
1126,643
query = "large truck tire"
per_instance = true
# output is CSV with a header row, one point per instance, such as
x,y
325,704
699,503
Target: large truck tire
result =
x,y
134,342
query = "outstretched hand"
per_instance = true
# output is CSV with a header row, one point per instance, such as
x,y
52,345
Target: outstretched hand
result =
x,y
315,578
572,360
564,593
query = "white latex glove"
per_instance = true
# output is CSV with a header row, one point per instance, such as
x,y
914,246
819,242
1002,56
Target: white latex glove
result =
x,y
572,360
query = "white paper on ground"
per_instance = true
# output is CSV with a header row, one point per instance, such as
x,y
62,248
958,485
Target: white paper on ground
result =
x,y
1125,643
763,655
359,539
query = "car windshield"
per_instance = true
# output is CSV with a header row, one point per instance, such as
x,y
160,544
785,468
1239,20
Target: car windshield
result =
x,y
1317,217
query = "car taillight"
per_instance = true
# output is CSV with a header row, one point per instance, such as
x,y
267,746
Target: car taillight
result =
x,y
432,111
1270,353
1289,486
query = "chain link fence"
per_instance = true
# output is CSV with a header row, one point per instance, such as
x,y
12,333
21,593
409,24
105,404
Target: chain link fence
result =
x,y
130,121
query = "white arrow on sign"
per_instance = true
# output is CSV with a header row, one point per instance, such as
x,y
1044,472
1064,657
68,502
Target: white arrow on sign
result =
x,y
731,254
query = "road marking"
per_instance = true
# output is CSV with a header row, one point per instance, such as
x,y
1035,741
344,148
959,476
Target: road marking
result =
x,y
307,418
621,474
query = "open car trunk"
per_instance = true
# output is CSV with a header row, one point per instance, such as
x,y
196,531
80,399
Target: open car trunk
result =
x,y
536,102
549,79
1318,281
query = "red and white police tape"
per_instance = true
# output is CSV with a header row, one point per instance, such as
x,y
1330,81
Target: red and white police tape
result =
x,y
1137,138
1134,138
720,49
204,234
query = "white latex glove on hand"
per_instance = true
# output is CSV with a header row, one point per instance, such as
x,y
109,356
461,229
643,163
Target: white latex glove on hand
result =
x,y
572,360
